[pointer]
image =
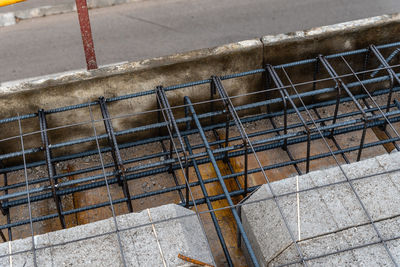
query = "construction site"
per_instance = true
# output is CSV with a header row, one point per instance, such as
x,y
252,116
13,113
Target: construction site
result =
x,y
276,151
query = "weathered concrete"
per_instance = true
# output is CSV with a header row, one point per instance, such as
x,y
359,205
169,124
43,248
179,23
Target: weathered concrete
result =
x,y
347,36
84,86
330,39
7,19
140,246
330,218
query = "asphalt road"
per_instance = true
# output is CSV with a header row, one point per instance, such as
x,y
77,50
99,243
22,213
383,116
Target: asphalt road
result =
x,y
160,27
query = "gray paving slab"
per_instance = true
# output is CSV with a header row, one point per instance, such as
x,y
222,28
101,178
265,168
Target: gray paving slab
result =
x,y
329,218
96,244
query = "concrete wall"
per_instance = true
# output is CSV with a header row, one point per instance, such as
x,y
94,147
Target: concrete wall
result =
x,y
27,96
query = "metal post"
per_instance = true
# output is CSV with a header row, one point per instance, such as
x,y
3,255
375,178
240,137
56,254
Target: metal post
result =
x,y
86,32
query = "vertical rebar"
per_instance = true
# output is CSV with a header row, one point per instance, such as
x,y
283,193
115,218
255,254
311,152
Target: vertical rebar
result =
x,y
207,199
286,95
222,183
7,211
166,108
50,167
116,155
393,77
216,85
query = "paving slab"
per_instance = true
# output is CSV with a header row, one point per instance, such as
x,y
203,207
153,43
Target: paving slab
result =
x,y
325,218
164,234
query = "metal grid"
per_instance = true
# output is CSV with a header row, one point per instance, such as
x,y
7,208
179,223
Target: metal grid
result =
x,y
369,87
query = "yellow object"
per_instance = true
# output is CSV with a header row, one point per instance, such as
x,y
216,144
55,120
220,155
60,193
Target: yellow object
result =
x,y
200,263
9,2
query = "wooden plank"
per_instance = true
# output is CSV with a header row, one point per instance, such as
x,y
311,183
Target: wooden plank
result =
x,y
95,196
381,135
224,216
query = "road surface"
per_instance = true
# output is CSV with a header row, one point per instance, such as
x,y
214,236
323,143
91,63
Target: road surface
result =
x,y
160,27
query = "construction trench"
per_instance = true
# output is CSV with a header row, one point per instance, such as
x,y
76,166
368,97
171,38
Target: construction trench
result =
x,y
203,130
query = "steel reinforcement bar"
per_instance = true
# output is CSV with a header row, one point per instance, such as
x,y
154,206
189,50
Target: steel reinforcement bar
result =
x,y
231,146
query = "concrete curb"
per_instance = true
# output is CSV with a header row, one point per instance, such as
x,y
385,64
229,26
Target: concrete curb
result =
x,y
11,18
273,45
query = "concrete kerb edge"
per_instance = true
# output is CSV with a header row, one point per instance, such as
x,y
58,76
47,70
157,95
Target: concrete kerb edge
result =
x,y
265,43
77,76
328,30
126,67
11,18
325,40
78,87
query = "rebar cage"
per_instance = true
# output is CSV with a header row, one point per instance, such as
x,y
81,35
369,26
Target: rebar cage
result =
x,y
318,112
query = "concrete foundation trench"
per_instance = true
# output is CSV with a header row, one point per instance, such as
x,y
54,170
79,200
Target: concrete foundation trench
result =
x,y
144,161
